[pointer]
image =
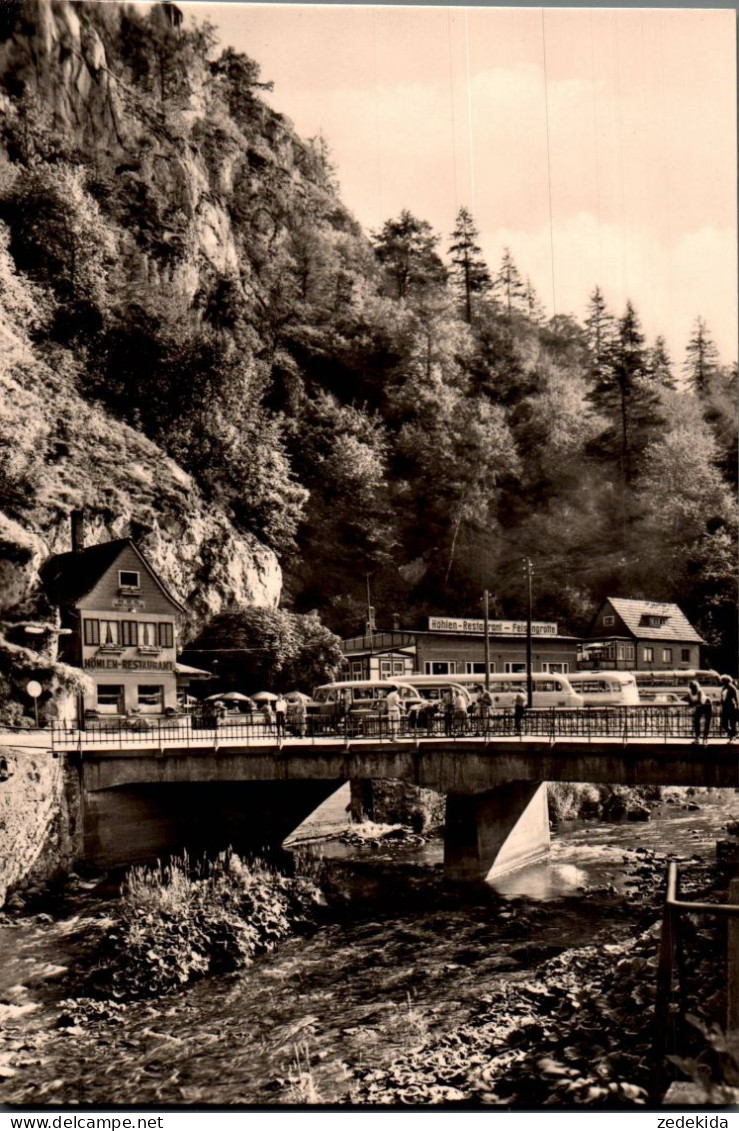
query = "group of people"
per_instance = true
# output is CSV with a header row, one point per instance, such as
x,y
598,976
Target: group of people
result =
x,y
703,709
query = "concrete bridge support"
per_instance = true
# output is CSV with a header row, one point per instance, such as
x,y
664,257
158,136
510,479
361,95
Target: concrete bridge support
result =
x,y
488,834
139,824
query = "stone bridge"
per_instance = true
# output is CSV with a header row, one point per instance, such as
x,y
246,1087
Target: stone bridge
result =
x,y
153,797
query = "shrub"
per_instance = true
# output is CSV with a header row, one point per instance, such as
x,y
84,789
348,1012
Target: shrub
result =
x,y
176,924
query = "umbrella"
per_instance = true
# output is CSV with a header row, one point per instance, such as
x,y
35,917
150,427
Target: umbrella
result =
x,y
265,697
230,696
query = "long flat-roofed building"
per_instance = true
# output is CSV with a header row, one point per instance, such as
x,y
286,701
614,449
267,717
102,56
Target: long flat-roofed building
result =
x,y
456,646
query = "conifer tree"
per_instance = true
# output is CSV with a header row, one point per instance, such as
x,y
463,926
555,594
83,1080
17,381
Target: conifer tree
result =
x,y
600,329
508,282
534,308
659,364
406,247
701,358
469,271
624,394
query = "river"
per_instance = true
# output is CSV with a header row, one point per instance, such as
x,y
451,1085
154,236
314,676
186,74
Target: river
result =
x,y
404,960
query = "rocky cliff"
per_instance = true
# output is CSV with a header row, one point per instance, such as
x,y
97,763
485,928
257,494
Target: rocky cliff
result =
x,y
135,176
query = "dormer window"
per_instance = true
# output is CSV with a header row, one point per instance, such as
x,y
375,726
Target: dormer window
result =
x,y
652,620
129,581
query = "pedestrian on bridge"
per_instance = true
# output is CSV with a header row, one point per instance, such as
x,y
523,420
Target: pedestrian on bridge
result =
x,y
519,710
702,711
280,713
392,706
729,706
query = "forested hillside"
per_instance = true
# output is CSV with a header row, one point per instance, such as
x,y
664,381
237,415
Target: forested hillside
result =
x,y
178,264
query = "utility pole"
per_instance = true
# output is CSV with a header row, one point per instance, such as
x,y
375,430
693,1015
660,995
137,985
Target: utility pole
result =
x,y
486,615
370,610
528,569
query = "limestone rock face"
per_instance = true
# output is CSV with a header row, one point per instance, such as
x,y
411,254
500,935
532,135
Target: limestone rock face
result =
x,y
63,449
127,488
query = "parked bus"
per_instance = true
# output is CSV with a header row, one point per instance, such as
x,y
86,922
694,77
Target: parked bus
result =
x,y
362,697
606,689
550,689
672,686
432,687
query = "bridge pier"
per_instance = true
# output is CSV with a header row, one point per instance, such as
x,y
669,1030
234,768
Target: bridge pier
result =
x,y
489,834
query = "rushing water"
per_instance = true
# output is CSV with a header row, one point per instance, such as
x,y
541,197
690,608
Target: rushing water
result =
x,y
407,956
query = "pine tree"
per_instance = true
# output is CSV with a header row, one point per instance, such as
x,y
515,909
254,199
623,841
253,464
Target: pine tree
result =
x,y
659,364
624,394
701,358
470,272
406,247
600,329
508,282
534,307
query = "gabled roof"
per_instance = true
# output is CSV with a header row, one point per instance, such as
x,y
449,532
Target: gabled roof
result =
x,y
676,626
69,577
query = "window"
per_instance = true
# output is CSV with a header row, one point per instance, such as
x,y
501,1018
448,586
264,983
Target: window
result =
x,y
608,621
109,633
148,635
667,655
514,666
439,667
110,699
128,579
129,633
92,631
151,697
560,667
398,667
650,620
386,669
649,655
685,656
166,635
476,667
356,669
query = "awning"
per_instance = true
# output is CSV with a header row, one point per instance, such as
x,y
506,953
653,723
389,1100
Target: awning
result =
x,y
191,673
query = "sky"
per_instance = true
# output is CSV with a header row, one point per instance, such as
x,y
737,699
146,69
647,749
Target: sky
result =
x,y
599,144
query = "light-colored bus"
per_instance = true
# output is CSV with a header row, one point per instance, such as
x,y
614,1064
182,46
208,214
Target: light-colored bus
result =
x,y
362,696
606,689
432,687
672,686
550,689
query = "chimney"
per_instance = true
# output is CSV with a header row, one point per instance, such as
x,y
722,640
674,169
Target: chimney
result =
x,y
77,519
396,622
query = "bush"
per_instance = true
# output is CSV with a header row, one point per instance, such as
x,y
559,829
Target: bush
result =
x,y
175,925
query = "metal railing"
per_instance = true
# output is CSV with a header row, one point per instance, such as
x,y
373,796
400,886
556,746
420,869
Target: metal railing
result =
x,y
667,1020
664,723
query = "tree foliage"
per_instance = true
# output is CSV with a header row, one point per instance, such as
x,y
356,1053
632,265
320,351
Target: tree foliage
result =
x,y
255,649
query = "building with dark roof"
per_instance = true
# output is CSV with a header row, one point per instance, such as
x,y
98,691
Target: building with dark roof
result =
x,y
641,636
123,627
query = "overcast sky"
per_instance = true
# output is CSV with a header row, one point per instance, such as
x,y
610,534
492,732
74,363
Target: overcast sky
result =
x,y
599,144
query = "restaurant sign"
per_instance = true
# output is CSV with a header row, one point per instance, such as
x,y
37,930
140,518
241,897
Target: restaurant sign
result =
x,y
495,627
99,663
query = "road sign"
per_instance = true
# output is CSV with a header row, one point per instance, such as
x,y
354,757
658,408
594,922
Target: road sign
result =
x,y
34,688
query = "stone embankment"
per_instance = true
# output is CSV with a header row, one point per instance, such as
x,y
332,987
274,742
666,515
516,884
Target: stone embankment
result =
x,y
36,829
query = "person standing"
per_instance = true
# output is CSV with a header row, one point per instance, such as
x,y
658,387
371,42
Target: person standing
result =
x,y
702,711
519,710
484,706
280,713
300,717
729,706
460,712
392,706
448,709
